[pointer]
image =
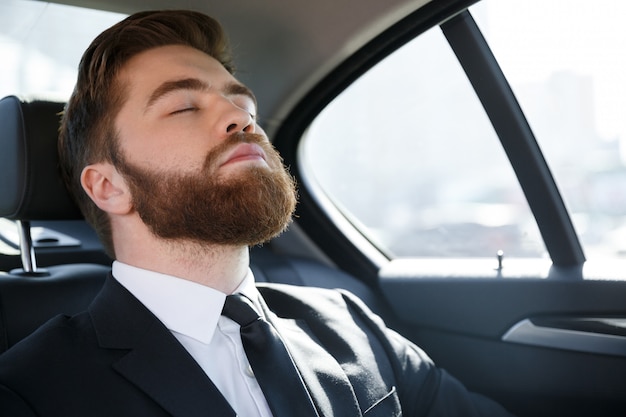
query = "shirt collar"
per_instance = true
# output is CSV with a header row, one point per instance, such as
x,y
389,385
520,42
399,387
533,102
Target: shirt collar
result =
x,y
183,306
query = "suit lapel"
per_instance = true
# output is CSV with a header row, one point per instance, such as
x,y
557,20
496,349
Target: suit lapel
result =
x,y
156,362
323,377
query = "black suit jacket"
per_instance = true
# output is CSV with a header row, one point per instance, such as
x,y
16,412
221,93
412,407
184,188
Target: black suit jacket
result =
x,y
117,359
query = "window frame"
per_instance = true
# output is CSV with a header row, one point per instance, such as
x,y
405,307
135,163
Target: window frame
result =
x,y
517,138
329,229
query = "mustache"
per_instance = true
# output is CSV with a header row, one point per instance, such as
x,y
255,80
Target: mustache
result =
x,y
236,138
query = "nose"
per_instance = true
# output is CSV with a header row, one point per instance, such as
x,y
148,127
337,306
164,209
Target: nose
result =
x,y
236,119
242,126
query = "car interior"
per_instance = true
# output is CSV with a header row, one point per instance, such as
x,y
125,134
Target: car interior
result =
x,y
542,332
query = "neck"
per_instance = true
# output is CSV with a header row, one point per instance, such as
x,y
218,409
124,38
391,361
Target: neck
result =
x,y
217,266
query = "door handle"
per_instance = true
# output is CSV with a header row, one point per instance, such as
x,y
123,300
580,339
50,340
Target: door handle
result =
x,y
588,335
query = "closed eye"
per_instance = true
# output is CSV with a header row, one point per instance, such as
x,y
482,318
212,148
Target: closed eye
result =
x,y
183,110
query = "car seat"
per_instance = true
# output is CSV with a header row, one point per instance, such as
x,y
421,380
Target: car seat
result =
x,y
32,190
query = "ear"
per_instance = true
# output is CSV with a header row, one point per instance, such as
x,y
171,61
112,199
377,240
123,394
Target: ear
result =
x,y
107,188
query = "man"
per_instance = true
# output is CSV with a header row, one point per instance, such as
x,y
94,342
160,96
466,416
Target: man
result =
x,y
160,147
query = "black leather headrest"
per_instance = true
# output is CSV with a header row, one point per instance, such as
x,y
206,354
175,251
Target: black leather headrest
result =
x,y
30,184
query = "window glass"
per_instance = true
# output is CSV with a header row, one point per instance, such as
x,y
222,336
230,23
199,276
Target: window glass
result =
x,y
408,155
566,60
41,45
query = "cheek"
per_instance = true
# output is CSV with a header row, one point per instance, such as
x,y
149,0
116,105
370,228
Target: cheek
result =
x,y
165,150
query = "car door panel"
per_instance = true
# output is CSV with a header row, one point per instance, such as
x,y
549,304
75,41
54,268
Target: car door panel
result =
x,y
470,325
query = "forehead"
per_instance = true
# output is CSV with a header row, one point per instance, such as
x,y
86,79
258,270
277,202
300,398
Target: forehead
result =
x,y
148,69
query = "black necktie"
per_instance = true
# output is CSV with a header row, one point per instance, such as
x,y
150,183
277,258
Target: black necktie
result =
x,y
271,363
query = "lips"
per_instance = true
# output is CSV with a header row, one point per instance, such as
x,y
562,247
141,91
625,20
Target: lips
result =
x,y
244,152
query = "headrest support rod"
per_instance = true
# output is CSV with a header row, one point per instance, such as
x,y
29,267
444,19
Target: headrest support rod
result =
x,y
29,263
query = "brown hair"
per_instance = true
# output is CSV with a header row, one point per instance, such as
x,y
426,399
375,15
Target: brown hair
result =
x,y
87,133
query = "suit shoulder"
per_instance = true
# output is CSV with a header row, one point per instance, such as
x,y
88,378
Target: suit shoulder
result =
x,y
276,294
297,291
305,302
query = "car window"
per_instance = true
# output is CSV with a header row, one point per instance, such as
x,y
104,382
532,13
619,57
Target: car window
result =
x,y
408,155
41,45
567,71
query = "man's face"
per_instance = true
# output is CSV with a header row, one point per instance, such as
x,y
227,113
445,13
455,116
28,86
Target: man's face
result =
x,y
197,165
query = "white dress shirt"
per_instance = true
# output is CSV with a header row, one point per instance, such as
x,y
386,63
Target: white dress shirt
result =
x,y
192,312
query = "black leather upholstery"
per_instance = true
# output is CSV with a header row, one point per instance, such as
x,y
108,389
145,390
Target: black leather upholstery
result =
x,y
31,189
27,303
29,180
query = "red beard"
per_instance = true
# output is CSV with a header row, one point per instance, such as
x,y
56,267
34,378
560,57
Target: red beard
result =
x,y
245,209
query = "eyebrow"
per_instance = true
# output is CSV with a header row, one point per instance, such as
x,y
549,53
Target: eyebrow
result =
x,y
195,84
236,89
